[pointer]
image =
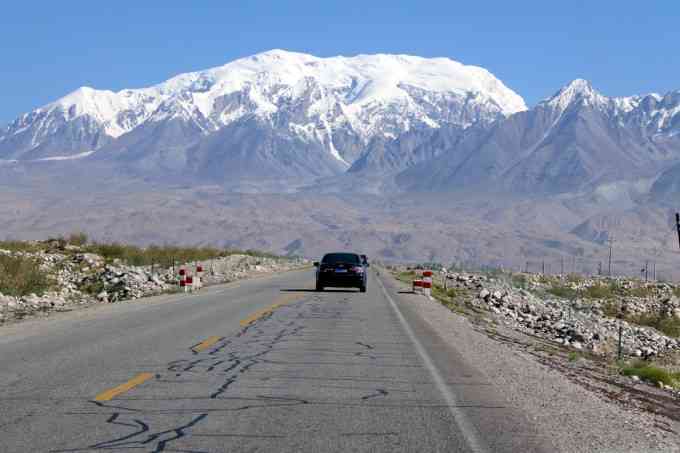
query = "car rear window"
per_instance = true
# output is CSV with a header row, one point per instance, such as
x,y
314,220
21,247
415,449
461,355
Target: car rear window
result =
x,y
334,258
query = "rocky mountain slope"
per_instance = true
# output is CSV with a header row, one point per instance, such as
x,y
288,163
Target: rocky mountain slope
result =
x,y
575,141
275,114
281,121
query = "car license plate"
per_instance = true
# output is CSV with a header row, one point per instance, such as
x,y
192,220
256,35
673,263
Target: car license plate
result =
x,y
340,271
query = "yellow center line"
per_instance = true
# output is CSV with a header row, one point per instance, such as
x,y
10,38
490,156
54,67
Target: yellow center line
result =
x,y
132,383
265,311
202,346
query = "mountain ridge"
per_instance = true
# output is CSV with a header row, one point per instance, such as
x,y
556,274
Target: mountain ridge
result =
x,y
368,94
411,123
572,141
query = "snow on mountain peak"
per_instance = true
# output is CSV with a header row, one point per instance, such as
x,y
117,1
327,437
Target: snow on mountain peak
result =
x,y
578,90
580,85
379,94
379,74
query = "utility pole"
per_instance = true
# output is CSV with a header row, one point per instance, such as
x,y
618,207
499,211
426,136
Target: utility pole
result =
x,y
599,268
562,266
611,244
677,225
543,268
654,271
646,269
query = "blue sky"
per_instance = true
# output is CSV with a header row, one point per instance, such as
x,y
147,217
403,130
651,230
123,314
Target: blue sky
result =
x,y
51,48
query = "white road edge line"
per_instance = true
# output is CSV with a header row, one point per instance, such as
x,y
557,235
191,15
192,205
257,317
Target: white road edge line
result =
x,y
468,430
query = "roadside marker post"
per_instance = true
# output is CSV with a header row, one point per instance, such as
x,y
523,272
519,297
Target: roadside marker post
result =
x,y
427,282
416,285
199,277
445,278
182,279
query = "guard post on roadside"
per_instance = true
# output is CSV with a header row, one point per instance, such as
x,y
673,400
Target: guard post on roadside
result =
x,y
427,282
199,276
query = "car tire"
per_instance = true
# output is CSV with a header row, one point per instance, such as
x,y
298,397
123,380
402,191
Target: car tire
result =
x,y
319,287
362,289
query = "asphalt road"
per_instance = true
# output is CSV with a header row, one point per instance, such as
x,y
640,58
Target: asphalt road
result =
x,y
268,365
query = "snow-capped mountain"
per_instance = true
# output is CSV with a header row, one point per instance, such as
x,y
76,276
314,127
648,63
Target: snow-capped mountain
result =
x,y
572,141
435,123
277,112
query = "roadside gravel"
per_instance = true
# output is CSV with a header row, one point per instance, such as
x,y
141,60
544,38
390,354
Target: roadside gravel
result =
x,y
576,419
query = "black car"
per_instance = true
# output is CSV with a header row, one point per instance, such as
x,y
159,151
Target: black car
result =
x,y
341,270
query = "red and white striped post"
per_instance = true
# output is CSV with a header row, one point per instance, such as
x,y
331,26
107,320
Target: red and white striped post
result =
x,y
183,279
199,276
417,285
427,282
189,283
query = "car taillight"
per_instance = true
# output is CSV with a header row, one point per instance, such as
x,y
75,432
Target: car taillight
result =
x,y
358,269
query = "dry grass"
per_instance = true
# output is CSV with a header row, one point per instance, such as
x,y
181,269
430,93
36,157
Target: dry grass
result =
x,y
164,255
21,276
651,373
19,246
668,325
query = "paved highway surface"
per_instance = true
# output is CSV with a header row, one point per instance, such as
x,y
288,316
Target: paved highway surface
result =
x,y
266,365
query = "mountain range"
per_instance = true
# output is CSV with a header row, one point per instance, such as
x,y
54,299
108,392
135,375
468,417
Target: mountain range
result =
x,y
284,122
413,123
273,115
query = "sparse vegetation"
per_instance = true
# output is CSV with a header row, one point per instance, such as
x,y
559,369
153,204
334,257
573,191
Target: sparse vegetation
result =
x,y
406,276
573,356
131,254
454,293
565,292
455,299
93,287
667,325
574,278
19,246
78,239
519,281
642,291
547,280
651,373
20,276
611,308
163,255
599,291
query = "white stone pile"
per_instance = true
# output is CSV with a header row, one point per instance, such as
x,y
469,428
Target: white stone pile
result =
x,y
579,323
81,278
